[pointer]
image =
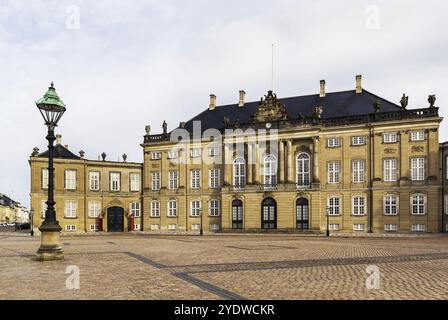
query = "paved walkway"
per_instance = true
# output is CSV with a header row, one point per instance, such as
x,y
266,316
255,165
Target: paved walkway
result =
x,y
227,267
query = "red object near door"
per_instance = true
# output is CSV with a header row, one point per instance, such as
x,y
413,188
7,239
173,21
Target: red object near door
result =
x,y
131,223
100,224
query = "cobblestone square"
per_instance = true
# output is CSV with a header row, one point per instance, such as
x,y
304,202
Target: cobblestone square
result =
x,y
139,266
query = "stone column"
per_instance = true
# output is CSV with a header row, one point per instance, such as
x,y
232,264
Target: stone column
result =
x,y
281,163
290,173
250,160
227,165
257,163
315,159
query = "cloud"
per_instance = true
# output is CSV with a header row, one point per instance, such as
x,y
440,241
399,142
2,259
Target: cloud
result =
x,y
132,65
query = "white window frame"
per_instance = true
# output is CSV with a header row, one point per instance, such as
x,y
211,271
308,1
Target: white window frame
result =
x,y
446,203
390,204
418,227
418,135
171,208
195,208
93,227
45,179
358,171
70,227
270,168
214,208
358,140
94,209
172,226
333,142
155,209
155,180
334,172
94,180
214,178
390,137
213,151
418,201
156,155
239,173
390,170
359,205
173,154
303,170
214,227
70,179
195,152
195,179
134,178
333,226
359,227
334,204
134,209
70,209
173,179
44,207
390,227
115,181
418,165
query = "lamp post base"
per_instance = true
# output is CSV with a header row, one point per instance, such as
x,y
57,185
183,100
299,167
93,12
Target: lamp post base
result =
x,y
50,246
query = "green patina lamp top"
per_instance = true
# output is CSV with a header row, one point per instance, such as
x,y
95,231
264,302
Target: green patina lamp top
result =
x,y
51,98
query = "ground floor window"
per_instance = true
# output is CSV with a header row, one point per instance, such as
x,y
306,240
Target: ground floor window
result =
x,y
269,214
302,213
237,214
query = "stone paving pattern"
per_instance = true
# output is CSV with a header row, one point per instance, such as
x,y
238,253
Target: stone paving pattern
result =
x,y
135,266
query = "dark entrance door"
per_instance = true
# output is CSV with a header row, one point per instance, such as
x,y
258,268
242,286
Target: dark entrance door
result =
x,y
269,214
237,214
115,219
302,213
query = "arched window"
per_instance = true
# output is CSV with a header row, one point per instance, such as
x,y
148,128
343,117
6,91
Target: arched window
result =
x,y
270,171
239,173
303,170
237,214
269,214
302,213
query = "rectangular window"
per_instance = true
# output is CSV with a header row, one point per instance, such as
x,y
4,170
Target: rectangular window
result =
x,y
418,227
136,227
358,171
70,209
155,208
417,135
195,208
195,152
135,209
195,179
155,227
172,208
418,204
135,181
214,227
70,228
334,206
334,171
173,154
333,226
70,179
94,180
390,205
359,205
390,170
390,227
358,141
172,226
44,208
94,209
390,137
213,151
195,226
333,142
358,227
446,204
44,178
173,180
115,183
155,180
156,155
93,227
214,208
214,178
418,169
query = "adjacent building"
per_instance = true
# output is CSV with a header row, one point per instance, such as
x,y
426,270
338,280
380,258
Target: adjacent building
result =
x,y
12,211
348,161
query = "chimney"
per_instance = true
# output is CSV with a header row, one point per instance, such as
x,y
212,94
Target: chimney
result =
x,y
322,89
212,105
242,98
58,139
358,83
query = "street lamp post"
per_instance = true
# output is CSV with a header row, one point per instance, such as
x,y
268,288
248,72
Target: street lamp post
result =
x,y
52,108
201,231
328,221
32,222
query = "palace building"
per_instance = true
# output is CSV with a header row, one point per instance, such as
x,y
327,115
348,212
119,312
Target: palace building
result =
x,y
348,161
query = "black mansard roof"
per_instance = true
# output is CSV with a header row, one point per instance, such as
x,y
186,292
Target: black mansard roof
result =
x,y
60,152
334,105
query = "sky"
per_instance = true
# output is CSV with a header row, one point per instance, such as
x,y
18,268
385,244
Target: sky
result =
x,y
121,65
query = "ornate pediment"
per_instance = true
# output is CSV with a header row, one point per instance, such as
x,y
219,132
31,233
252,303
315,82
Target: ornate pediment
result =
x,y
270,109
